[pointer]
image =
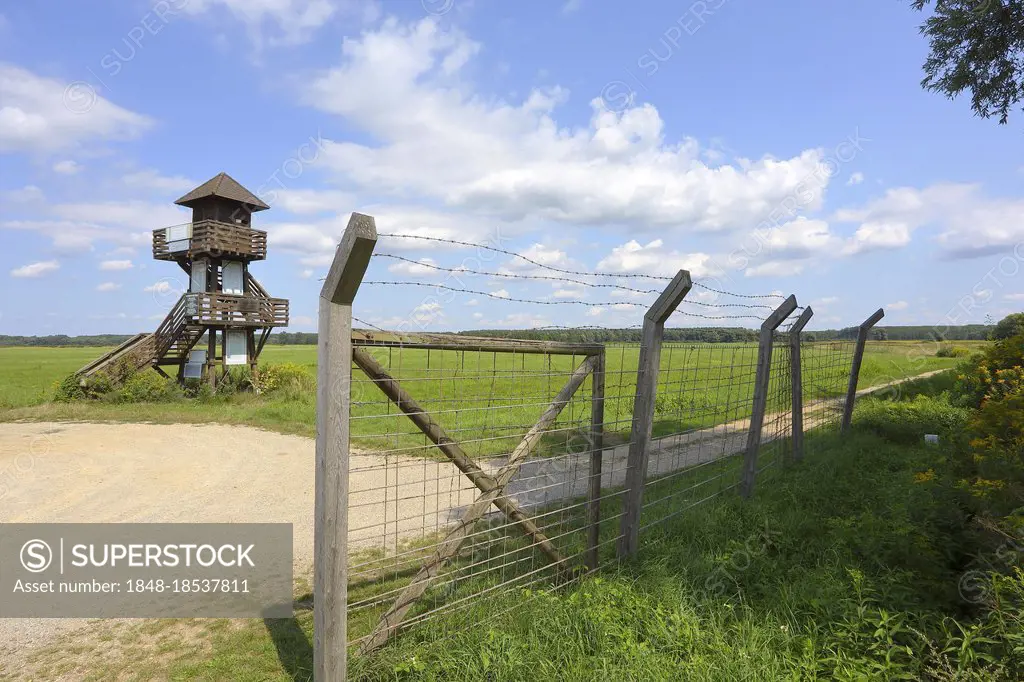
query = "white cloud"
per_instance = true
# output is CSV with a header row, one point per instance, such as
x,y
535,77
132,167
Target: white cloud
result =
x,y
29,194
108,286
282,22
855,179
161,287
898,305
151,179
427,313
540,253
1014,297
969,223
67,167
315,241
37,269
515,161
421,267
655,259
775,268
42,114
572,294
78,226
571,6
500,293
116,265
306,274
308,201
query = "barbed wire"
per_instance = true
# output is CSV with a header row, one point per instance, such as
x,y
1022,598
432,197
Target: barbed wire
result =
x,y
566,271
504,298
730,293
716,317
495,249
511,275
368,324
534,301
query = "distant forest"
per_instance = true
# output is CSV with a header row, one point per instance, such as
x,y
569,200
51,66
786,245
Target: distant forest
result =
x,y
970,332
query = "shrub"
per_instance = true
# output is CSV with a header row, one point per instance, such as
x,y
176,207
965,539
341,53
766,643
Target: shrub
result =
x,y
947,351
908,421
69,389
146,387
287,378
991,374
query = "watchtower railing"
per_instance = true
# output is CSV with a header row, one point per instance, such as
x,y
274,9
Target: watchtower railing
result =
x,y
209,237
237,310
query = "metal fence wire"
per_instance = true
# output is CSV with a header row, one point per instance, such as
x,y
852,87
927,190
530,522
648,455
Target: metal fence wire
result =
x,y
476,466
469,473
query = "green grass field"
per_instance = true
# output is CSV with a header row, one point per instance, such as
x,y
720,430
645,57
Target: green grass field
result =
x,y
474,393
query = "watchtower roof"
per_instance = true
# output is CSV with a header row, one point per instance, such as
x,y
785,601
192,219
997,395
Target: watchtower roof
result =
x,y
224,186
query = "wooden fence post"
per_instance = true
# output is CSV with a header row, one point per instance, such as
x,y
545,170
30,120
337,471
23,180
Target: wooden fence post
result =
x,y
761,380
858,356
643,409
333,401
796,379
596,456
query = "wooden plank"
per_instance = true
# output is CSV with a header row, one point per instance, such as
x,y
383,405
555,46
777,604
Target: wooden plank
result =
x,y
858,356
596,462
643,409
334,399
391,621
796,380
364,337
760,402
425,423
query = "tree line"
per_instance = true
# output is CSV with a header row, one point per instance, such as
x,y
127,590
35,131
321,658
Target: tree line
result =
x,y
970,332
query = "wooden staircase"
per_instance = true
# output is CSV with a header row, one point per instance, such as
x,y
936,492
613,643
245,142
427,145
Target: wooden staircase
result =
x,y
168,345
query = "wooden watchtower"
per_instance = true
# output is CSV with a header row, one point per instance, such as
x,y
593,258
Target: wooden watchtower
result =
x,y
224,302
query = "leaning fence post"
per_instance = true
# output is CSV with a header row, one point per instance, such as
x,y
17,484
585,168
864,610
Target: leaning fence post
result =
x,y
760,403
333,400
643,408
858,356
796,380
596,463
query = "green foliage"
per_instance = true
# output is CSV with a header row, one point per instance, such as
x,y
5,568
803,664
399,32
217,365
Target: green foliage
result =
x,y
996,372
1009,326
948,351
908,421
145,387
847,568
69,389
287,378
975,47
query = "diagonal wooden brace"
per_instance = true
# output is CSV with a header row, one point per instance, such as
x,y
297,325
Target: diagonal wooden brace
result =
x,y
422,419
391,621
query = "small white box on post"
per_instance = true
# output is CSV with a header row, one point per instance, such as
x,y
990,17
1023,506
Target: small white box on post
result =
x,y
760,402
858,356
796,379
333,400
643,408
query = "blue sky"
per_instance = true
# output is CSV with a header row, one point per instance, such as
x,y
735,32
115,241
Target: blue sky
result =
x,y
766,148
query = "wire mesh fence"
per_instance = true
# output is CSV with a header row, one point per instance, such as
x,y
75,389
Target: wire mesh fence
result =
x,y
826,370
469,474
481,465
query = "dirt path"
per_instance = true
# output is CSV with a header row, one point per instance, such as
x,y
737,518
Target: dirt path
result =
x,y
147,473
